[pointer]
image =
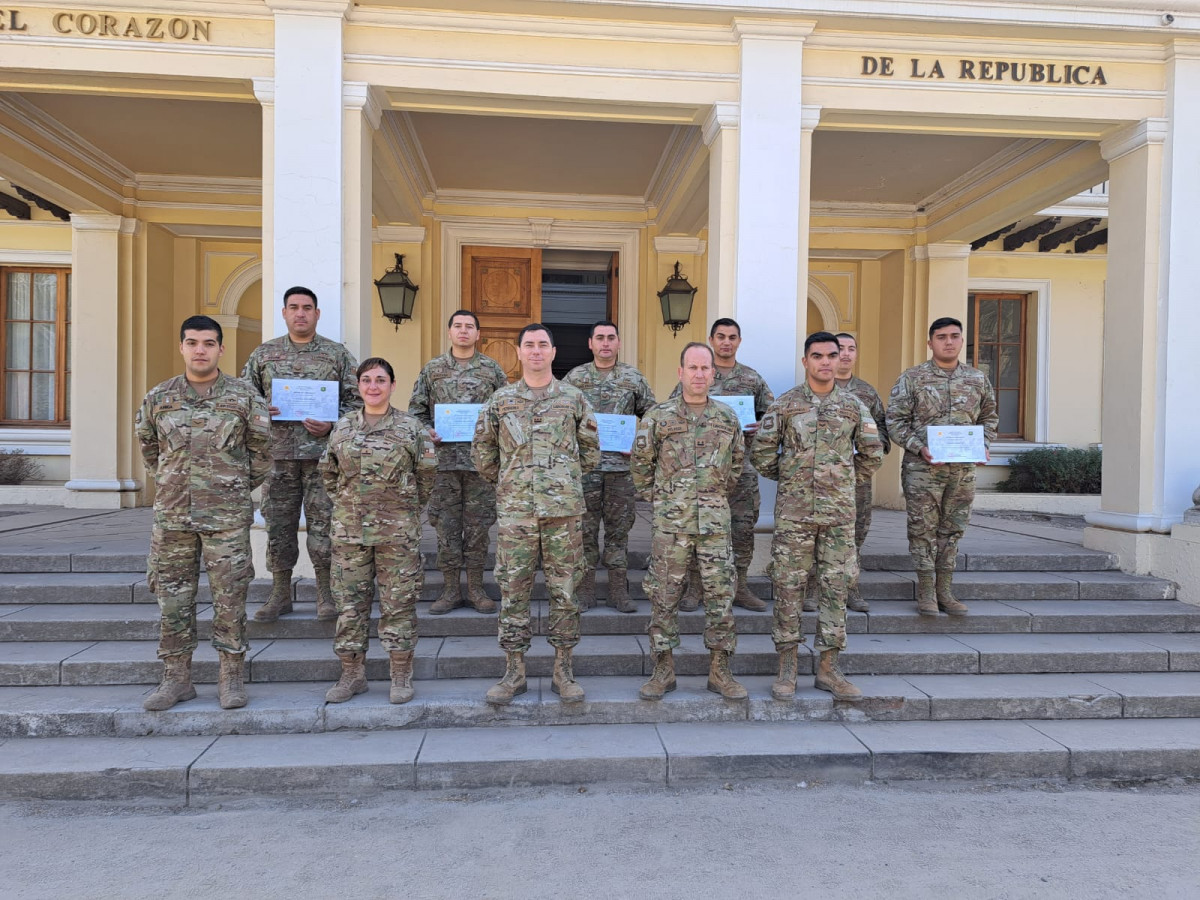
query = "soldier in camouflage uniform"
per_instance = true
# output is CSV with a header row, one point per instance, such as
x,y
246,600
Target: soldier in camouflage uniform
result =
x,y
463,507
296,447
847,380
534,440
378,468
613,388
938,496
818,441
687,456
204,439
732,379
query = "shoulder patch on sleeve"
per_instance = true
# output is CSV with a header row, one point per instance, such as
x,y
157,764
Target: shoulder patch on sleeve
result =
x,y
870,427
768,422
641,442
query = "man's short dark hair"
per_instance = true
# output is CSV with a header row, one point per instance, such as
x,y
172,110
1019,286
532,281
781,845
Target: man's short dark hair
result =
x,y
942,323
462,312
299,289
535,326
202,323
375,362
724,323
847,335
691,344
603,324
820,337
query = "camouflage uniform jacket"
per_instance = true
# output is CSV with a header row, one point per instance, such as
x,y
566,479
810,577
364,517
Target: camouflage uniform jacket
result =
x,y
687,467
871,400
205,454
930,395
376,475
621,391
741,381
319,360
536,451
445,380
817,448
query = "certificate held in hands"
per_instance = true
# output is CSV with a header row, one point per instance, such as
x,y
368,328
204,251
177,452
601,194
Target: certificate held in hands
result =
x,y
298,399
743,405
616,432
956,443
455,422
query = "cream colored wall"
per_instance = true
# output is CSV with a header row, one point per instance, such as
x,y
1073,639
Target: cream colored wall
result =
x,y
16,235
249,308
162,328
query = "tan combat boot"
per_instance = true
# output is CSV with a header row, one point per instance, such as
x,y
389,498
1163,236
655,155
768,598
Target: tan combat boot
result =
x,y
513,683
662,679
326,608
618,591
231,687
585,594
692,592
945,599
176,684
784,687
720,679
830,678
563,681
451,596
855,601
353,680
476,595
402,668
280,601
926,600
744,598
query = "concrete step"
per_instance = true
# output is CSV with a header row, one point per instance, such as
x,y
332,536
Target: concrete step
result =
x,y
185,771
478,656
299,707
126,622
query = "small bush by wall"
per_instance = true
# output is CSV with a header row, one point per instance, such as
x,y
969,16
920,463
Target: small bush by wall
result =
x,y
17,468
1053,470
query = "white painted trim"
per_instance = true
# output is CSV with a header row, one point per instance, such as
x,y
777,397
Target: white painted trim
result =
x,y
720,116
103,484
95,222
677,244
856,209
458,232
985,47
1134,137
988,88
946,250
36,257
229,294
491,199
682,148
1040,287
214,232
529,68
195,184
36,441
1133,522
399,234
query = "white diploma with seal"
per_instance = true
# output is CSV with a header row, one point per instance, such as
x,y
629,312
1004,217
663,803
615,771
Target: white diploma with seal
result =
x,y
616,432
455,422
956,443
743,405
298,399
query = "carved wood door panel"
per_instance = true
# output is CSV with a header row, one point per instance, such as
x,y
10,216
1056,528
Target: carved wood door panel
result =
x,y
503,286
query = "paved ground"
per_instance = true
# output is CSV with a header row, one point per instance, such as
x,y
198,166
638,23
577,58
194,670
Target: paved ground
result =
x,y
763,840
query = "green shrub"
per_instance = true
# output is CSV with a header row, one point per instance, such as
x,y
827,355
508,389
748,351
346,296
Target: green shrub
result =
x,y
1053,470
17,468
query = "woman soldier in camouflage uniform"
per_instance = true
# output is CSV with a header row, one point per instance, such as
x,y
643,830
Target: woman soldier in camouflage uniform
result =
x,y
378,469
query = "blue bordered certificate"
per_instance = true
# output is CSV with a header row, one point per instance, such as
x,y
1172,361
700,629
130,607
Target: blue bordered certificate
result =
x,y
616,432
455,422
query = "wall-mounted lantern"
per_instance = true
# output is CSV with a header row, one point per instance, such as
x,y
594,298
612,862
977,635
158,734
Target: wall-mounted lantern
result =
x,y
676,298
397,293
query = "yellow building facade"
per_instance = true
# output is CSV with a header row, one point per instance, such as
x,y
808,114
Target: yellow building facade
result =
x,y
856,166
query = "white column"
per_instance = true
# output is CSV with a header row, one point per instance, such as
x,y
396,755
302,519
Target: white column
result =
x,y
362,114
1131,416
101,405
721,135
307,173
768,298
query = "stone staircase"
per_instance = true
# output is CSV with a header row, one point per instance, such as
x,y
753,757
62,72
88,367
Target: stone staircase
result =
x,y
1066,668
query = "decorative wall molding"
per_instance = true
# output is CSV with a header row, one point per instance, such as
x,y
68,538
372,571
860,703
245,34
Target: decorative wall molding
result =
x,y
195,184
360,95
229,294
721,115
1134,137
37,441
35,257
826,303
679,244
399,234
530,200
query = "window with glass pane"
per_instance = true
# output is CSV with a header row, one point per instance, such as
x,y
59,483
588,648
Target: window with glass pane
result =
x,y
996,345
36,324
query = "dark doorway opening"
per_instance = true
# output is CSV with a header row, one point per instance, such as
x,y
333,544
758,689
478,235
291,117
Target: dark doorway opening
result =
x,y
577,292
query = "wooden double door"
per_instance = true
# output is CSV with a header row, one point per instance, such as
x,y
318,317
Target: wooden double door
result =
x,y
503,287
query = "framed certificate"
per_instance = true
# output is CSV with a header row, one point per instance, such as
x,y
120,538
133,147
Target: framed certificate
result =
x,y
743,405
298,399
455,422
956,443
616,432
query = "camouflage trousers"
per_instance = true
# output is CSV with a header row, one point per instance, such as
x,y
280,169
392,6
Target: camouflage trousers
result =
x,y
294,483
173,575
743,516
863,500
830,551
609,497
397,568
462,509
518,542
938,500
670,556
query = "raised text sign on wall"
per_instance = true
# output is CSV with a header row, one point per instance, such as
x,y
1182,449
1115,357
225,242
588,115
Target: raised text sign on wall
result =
x,y
984,70
108,25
